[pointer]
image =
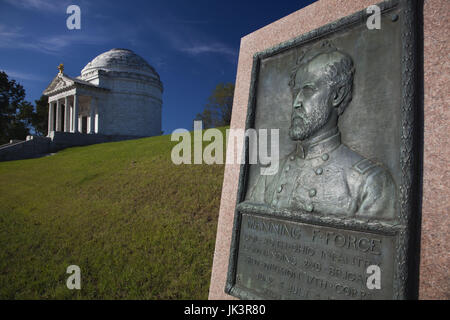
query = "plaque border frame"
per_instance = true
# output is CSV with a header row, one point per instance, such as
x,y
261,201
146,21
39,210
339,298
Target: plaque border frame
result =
x,y
407,230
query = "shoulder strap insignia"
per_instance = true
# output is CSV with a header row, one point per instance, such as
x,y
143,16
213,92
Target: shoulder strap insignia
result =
x,y
363,166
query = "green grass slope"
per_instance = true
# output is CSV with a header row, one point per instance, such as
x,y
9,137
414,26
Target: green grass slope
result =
x,y
138,226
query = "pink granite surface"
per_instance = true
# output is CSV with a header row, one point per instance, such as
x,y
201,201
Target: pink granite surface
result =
x,y
434,282
435,243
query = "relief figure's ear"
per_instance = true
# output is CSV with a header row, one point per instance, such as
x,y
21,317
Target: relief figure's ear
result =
x,y
339,94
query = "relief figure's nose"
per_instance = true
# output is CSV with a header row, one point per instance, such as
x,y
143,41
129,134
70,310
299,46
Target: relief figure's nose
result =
x,y
298,103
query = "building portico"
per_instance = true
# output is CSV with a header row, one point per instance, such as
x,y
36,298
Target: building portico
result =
x,y
73,105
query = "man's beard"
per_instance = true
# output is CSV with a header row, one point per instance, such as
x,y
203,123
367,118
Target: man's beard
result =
x,y
302,127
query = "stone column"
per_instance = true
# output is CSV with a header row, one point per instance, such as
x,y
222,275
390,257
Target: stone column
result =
x,y
50,118
66,115
71,117
58,116
92,115
75,113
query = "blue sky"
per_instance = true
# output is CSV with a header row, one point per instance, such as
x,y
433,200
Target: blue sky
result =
x,y
193,44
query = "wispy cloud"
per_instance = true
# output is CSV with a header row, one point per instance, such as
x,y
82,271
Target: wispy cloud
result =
x,y
191,40
16,38
41,5
17,75
183,35
11,32
210,48
185,21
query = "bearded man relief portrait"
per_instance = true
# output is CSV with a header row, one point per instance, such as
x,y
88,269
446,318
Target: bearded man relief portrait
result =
x,y
321,174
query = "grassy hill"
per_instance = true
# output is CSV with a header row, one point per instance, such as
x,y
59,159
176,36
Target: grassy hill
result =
x,y
138,226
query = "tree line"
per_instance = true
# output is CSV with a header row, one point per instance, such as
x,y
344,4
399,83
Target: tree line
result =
x,y
18,117
217,112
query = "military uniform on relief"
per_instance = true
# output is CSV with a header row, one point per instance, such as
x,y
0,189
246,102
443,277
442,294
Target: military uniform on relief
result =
x,y
329,178
322,175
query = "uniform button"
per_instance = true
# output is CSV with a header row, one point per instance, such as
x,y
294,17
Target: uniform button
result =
x,y
309,207
319,171
312,192
325,157
280,188
292,158
287,168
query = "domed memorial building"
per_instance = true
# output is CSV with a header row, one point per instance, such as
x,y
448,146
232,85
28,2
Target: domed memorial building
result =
x,y
117,94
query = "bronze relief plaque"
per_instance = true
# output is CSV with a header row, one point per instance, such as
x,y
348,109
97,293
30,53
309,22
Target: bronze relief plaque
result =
x,y
339,217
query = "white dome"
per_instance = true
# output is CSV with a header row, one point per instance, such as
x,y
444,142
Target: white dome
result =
x,y
121,60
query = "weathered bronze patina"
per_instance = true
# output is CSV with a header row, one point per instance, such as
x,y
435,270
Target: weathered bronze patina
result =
x,y
344,201
322,174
